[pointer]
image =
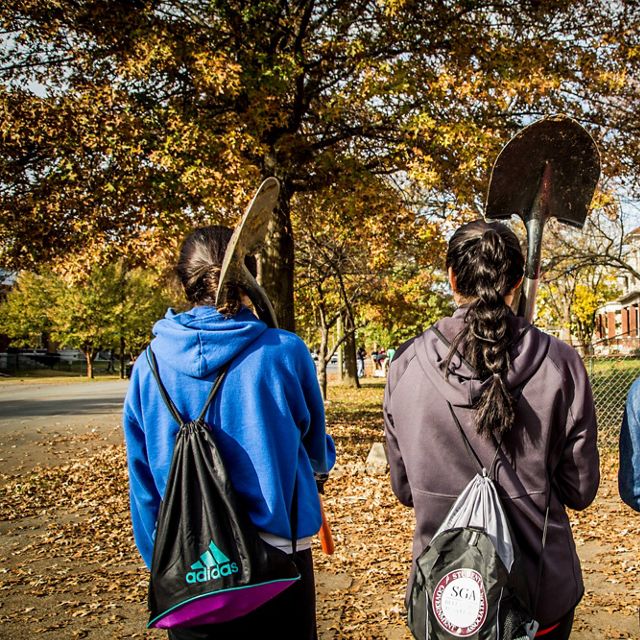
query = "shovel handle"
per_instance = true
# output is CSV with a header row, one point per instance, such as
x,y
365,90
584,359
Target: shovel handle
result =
x,y
325,535
535,228
527,302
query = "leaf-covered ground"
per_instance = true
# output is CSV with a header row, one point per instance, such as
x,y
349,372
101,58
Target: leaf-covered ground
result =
x,y
69,568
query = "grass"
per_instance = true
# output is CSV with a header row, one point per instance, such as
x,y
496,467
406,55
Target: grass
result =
x,y
597,366
74,371
56,376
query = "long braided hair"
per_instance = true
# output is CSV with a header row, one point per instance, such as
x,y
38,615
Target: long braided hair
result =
x,y
199,267
487,262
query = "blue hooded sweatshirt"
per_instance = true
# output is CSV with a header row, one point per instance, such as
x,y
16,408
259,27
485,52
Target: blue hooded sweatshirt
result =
x,y
267,417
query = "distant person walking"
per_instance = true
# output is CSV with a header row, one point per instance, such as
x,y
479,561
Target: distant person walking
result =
x,y
374,358
361,354
377,356
267,421
387,361
513,388
111,363
629,450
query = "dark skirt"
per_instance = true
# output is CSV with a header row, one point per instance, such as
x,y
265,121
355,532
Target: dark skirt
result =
x,y
289,616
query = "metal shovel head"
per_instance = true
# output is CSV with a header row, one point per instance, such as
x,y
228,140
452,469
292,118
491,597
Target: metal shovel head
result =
x,y
247,239
574,160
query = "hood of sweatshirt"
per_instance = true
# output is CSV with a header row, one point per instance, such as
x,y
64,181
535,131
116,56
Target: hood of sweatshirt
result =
x,y
463,387
198,342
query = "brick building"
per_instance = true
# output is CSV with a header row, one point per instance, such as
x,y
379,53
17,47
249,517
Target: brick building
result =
x,y
618,321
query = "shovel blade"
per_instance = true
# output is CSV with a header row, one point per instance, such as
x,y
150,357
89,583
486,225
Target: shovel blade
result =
x,y
247,238
574,160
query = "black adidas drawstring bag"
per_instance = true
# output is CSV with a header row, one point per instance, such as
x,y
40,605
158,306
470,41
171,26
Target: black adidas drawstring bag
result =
x,y
209,563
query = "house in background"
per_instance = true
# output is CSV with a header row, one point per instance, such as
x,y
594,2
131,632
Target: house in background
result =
x,y
7,280
618,321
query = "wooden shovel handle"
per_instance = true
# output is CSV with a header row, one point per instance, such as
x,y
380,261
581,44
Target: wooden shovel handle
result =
x,y
326,538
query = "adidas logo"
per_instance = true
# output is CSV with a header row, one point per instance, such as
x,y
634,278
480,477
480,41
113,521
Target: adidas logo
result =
x,y
213,564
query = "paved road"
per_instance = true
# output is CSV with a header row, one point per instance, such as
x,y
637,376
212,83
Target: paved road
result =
x,y
44,424
59,400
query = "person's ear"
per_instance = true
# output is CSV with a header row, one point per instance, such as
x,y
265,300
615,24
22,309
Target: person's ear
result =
x,y
452,280
517,286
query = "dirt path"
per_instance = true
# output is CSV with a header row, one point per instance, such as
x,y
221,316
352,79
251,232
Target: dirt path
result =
x,y
69,568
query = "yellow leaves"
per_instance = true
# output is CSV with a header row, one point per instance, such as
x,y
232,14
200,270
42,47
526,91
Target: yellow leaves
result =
x,y
393,7
148,52
613,80
423,123
588,297
461,86
209,165
606,200
217,73
423,170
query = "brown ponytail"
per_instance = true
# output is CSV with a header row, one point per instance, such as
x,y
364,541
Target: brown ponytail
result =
x,y
199,266
488,263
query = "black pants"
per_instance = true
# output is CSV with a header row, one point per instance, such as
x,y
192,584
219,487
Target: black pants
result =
x,y
563,632
291,615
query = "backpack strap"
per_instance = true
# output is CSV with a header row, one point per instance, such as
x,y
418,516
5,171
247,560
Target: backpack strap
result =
x,y
471,450
212,393
153,365
516,393
447,344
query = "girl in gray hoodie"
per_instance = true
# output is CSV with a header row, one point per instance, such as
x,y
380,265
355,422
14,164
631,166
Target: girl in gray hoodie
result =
x,y
506,381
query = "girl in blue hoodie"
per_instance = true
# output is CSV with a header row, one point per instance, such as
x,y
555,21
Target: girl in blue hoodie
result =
x,y
269,428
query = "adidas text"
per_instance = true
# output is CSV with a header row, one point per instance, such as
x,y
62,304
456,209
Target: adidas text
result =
x,y
212,573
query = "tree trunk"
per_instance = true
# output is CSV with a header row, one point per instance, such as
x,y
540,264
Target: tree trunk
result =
x,y
585,336
350,377
322,360
124,271
565,330
122,364
586,348
276,265
90,356
339,334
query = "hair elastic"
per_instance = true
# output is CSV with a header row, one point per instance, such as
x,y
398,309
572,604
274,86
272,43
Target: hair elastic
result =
x,y
212,270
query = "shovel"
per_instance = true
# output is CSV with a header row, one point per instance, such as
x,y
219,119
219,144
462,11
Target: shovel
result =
x,y
247,239
549,169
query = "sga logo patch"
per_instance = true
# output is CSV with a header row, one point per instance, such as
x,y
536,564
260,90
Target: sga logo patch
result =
x,y
460,602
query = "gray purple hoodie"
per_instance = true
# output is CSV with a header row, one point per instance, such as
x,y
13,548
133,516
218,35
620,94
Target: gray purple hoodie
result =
x,y
551,449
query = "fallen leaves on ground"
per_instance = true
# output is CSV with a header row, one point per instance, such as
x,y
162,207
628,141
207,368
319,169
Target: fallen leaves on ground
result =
x,y
70,568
